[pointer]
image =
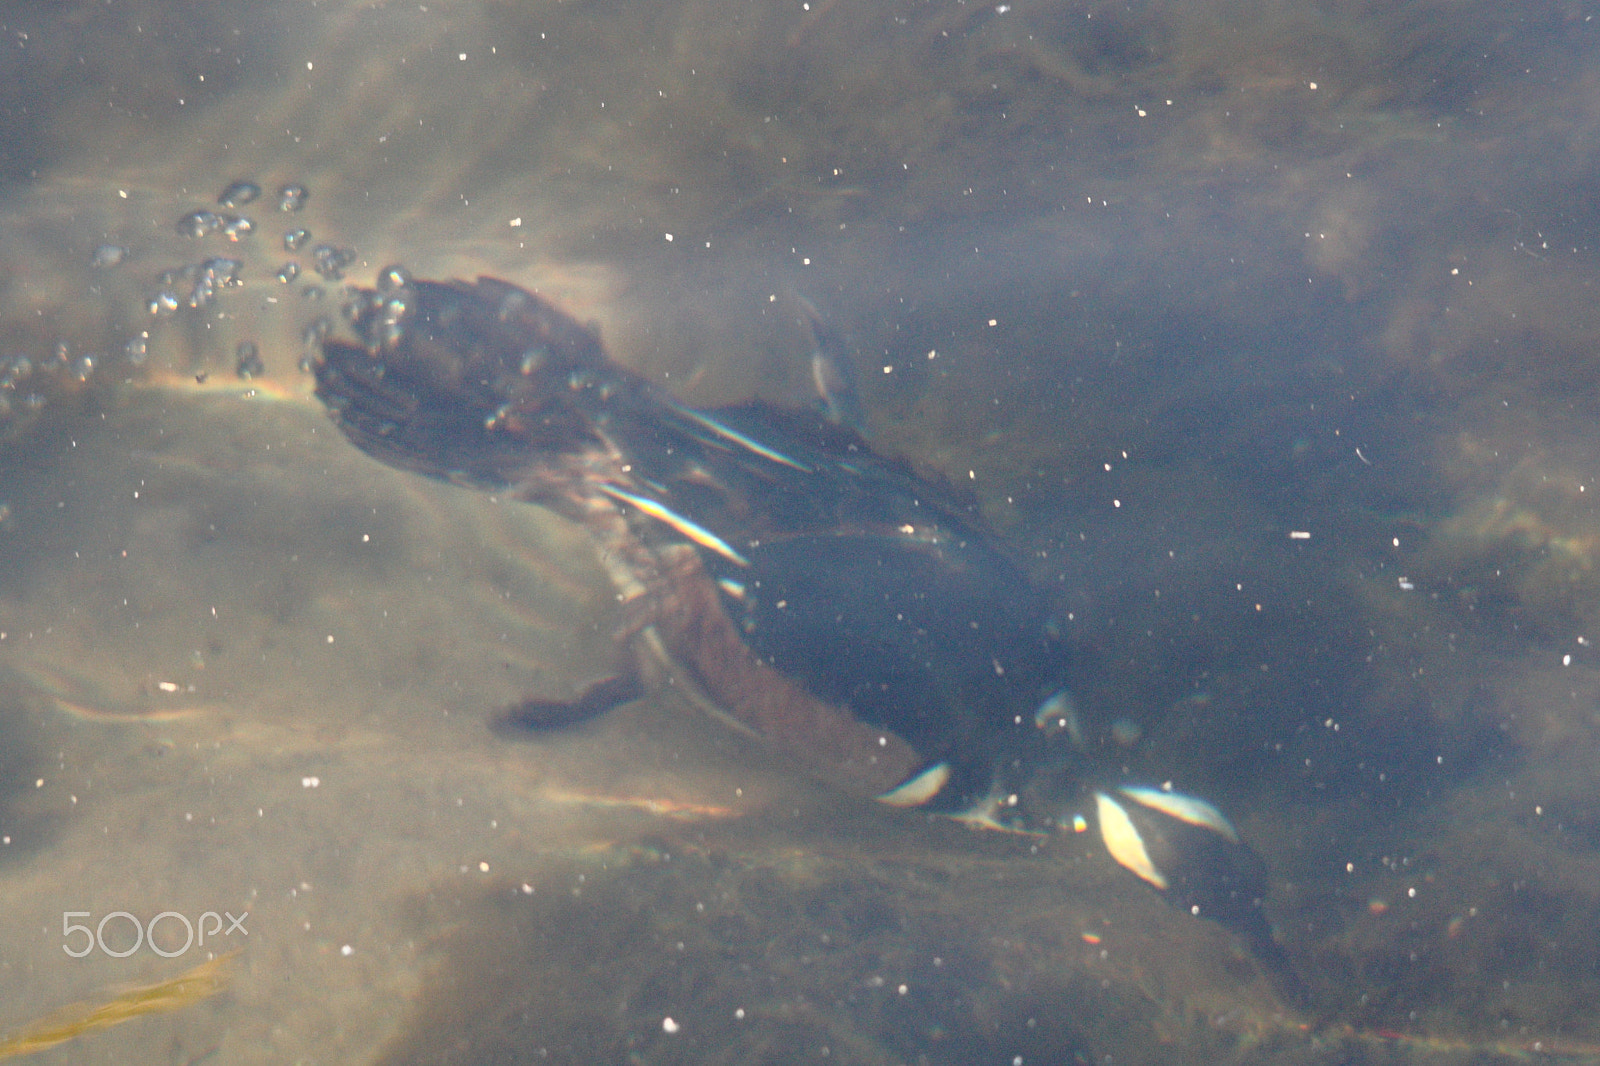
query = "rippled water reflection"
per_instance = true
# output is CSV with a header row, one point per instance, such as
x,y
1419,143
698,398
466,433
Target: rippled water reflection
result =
x,y
1166,286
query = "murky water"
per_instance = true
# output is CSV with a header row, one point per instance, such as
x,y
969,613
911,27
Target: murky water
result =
x,y
1263,332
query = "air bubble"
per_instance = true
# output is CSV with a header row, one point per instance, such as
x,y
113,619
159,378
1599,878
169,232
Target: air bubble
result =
x,y
247,361
83,368
239,193
296,239
288,272
137,349
292,197
163,304
330,261
392,315
199,224
393,278
107,256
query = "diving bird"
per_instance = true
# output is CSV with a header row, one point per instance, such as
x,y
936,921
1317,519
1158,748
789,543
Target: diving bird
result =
x,y
854,615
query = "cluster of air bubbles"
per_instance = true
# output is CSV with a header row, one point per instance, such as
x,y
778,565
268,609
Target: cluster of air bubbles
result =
x,y
330,261
293,241
311,339
28,382
317,331
16,377
14,370
390,307
77,369
198,224
292,197
194,286
25,383
204,223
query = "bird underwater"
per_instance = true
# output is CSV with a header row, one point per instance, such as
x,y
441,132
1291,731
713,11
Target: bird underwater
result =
x,y
855,616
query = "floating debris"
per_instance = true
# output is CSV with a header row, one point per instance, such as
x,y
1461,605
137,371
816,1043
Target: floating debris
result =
x,y
656,805
188,988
